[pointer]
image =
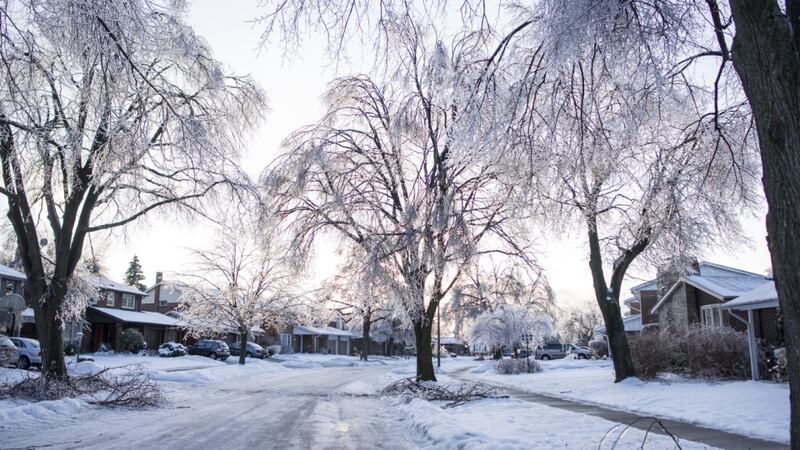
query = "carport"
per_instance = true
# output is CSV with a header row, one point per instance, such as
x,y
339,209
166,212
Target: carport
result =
x,y
322,339
762,297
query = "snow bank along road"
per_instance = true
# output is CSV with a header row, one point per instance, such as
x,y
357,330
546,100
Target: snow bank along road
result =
x,y
308,409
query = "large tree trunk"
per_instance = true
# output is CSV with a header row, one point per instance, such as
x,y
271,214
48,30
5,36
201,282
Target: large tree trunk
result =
x,y
609,307
50,329
765,55
365,339
243,349
422,333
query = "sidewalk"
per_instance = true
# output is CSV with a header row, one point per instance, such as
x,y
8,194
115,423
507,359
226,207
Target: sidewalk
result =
x,y
683,431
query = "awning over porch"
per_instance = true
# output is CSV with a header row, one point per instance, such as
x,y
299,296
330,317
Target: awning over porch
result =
x,y
143,317
302,330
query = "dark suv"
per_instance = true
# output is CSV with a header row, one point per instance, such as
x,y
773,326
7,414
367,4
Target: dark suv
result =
x,y
212,349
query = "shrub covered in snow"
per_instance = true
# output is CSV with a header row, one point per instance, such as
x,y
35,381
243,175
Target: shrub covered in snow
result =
x,y
705,352
599,347
131,341
274,350
517,366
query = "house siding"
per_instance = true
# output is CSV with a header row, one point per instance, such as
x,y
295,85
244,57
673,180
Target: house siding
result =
x,y
649,300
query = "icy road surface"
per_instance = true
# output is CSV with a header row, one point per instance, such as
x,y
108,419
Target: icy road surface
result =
x,y
307,409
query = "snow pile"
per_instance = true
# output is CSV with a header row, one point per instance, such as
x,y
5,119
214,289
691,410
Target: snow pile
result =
x,y
214,374
514,424
759,410
14,415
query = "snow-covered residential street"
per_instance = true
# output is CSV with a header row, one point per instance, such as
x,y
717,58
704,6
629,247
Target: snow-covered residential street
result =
x,y
315,401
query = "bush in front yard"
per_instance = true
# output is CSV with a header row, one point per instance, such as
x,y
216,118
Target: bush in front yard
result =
x,y
517,366
705,352
131,341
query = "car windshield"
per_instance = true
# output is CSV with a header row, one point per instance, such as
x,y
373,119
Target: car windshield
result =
x,y
32,343
6,342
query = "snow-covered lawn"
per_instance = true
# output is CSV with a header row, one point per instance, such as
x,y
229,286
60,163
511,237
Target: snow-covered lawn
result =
x,y
756,409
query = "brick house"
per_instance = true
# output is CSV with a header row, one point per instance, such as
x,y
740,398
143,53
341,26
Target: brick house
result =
x,y
698,297
119,307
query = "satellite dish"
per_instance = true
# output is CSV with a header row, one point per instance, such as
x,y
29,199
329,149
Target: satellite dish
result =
x,y
12,303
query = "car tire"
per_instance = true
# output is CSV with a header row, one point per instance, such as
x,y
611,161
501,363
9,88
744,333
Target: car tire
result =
x,y
248,354
545,357
581,356
24,363
213,356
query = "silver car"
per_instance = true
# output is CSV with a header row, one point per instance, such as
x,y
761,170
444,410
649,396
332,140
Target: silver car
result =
x,y
30,353
580,351
553,350
8,352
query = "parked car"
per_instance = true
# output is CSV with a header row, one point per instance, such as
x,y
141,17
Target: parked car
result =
x,y
210,348
552,350
30,352
172,349
580,351
253,350
9,356
522,354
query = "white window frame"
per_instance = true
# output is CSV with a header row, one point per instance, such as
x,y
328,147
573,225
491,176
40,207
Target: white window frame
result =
x,y
286,339
110,298
711,315
126,298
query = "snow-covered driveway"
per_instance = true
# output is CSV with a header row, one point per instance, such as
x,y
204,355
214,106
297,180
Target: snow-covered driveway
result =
x,y
290,409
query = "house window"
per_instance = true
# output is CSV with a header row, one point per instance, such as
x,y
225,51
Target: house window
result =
x,y
712,316
162,302
285,340
108,298
128,301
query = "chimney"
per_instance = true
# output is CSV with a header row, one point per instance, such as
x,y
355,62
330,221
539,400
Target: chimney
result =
x,y
157,291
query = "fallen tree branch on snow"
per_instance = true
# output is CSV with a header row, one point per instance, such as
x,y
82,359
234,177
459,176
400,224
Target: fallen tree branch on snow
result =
x,y
432,391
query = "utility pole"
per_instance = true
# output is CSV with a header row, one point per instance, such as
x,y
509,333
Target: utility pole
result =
x,y
438,335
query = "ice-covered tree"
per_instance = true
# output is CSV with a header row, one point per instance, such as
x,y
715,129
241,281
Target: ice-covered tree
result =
x,y
403,170
490,283
362,296
109,110
239,282
510,326
134,275
577,324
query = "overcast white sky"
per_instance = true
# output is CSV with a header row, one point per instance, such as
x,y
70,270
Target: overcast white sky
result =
x,y
294,88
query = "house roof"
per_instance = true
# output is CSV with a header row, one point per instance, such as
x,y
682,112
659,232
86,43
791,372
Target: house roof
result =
x,y
630,300
764,296
631,323
111,285
450,340
152,318
321,331
723,288
170,292
8,272
646,286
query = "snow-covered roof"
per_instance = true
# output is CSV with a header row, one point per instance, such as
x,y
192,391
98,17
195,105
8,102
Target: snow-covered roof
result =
x,y
764,296
646,286
631,323
170,292
147,317
723,288
8,272
450,340
111,285
321,331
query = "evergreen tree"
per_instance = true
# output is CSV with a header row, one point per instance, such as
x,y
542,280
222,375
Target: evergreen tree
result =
x,y
134,275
